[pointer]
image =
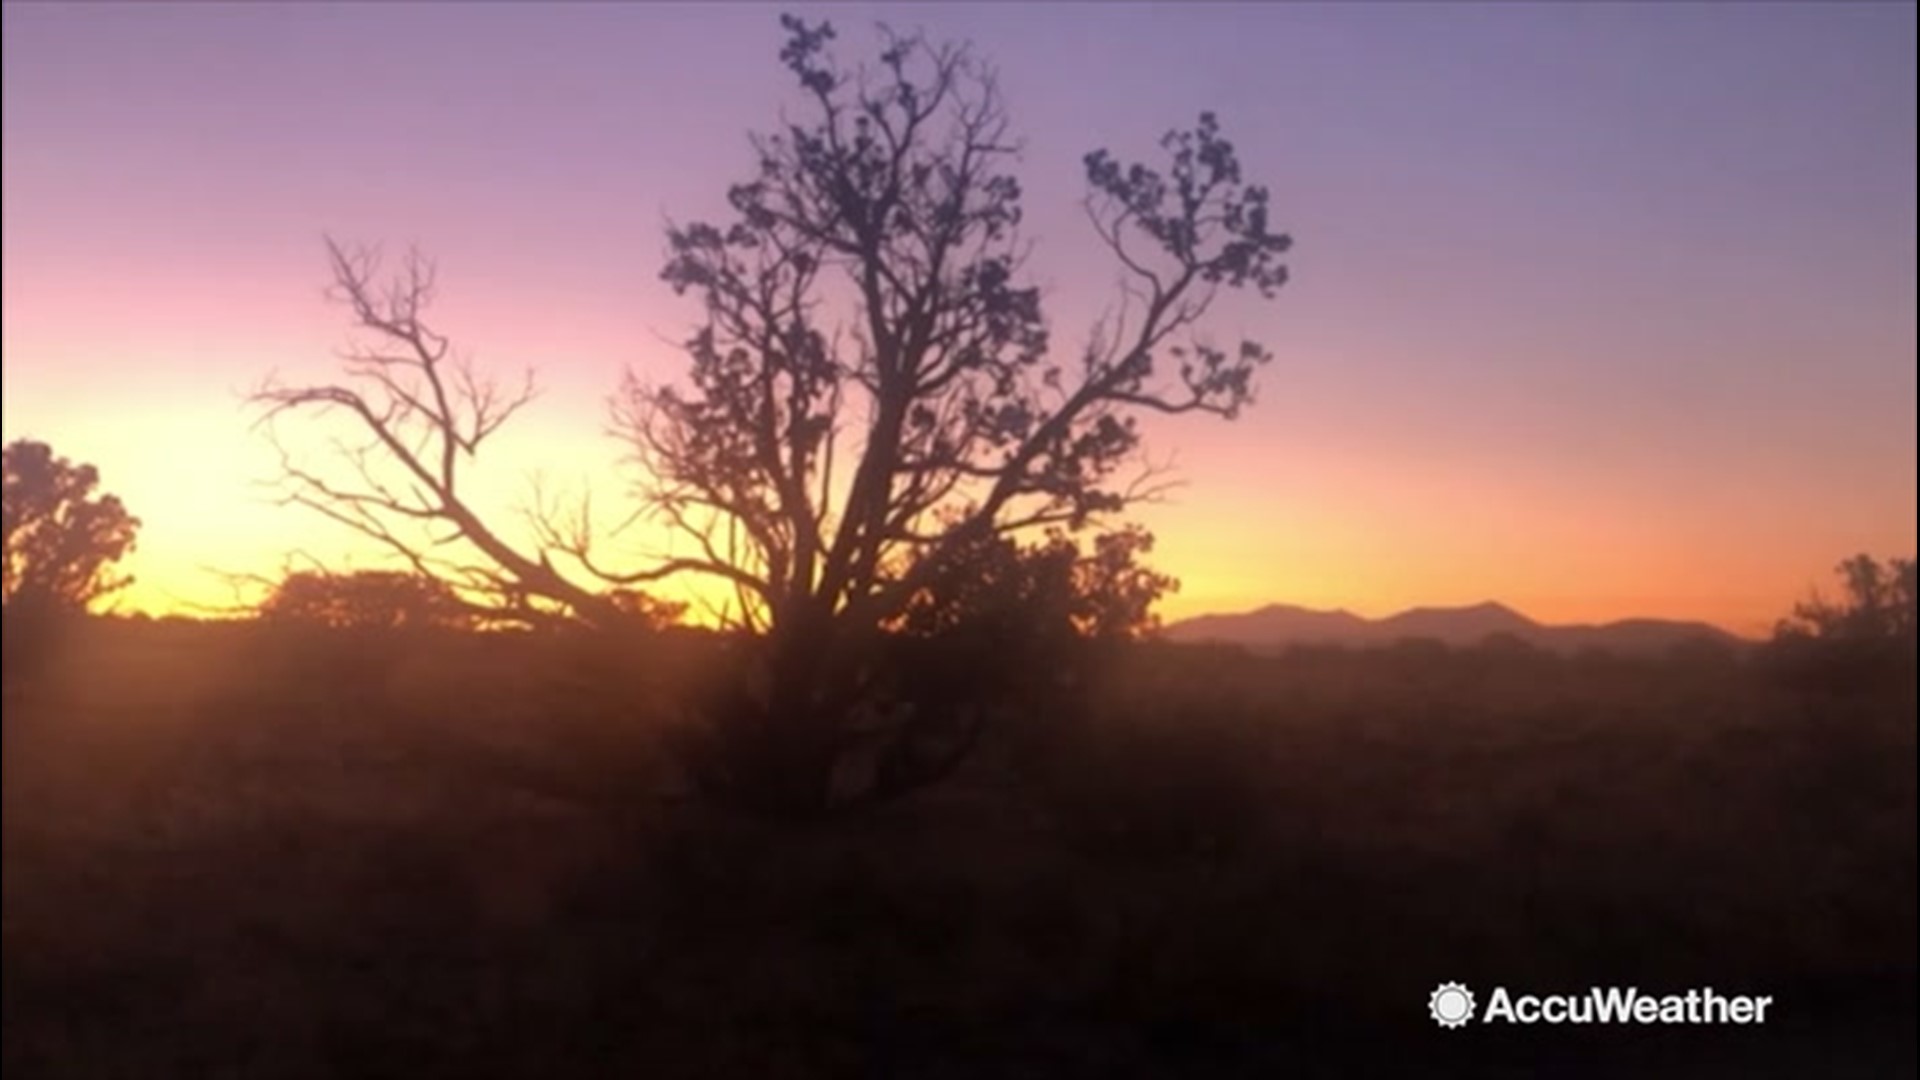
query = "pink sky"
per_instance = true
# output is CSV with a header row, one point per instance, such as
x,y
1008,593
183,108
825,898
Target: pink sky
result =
x,y
1597,310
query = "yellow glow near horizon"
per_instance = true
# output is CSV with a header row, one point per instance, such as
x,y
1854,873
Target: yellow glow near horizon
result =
x,y
1585,383
1335,531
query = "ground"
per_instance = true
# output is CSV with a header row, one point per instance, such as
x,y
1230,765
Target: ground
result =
x,y
231,854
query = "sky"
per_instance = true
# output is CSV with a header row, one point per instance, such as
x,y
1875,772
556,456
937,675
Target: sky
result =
x,y
1598,310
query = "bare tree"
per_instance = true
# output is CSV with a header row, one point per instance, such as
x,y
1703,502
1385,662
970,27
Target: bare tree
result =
x,y
416,416
872,400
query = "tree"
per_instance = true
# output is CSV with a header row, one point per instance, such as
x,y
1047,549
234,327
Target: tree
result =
x,y
1009,623
365,600
1878,604
62,539
643,610
1000,587
872,402
1862,643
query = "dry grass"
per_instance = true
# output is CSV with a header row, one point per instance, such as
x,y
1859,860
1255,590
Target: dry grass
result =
x,y
232,856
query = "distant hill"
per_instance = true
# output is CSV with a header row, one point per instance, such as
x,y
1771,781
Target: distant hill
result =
x,y
1278,626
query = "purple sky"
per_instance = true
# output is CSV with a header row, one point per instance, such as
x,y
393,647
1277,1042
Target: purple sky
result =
x,y
1597,309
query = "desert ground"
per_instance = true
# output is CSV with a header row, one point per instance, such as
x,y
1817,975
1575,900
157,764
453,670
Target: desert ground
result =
x,y
231,852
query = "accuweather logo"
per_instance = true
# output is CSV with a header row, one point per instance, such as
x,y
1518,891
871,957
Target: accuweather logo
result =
x,y
1452,1005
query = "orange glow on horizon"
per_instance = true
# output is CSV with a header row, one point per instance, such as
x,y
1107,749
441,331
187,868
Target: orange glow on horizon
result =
x,y
1541,346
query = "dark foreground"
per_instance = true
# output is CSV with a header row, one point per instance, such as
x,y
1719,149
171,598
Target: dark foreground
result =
x,y
227,858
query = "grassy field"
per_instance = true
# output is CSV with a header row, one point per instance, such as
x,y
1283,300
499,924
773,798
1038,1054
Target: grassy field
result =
x,y
233,854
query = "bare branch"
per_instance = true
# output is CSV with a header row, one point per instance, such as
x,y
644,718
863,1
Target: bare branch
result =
x,y
423,414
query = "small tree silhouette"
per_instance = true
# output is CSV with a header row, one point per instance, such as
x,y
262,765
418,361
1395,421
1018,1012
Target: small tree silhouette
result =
x,y
61,542
1876,604
365,600
61,538
1861,643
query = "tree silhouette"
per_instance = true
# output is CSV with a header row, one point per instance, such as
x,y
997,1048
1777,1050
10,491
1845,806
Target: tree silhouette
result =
x,y
1011,592
365,600
1862,643
872,403
61,538
417,416
835,472
1877,604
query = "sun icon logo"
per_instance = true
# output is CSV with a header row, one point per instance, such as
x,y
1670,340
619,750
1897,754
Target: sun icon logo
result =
x,y
1451,1005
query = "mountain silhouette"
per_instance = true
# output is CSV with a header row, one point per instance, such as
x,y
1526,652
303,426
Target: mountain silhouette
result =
x,y
1279,626
1465,624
